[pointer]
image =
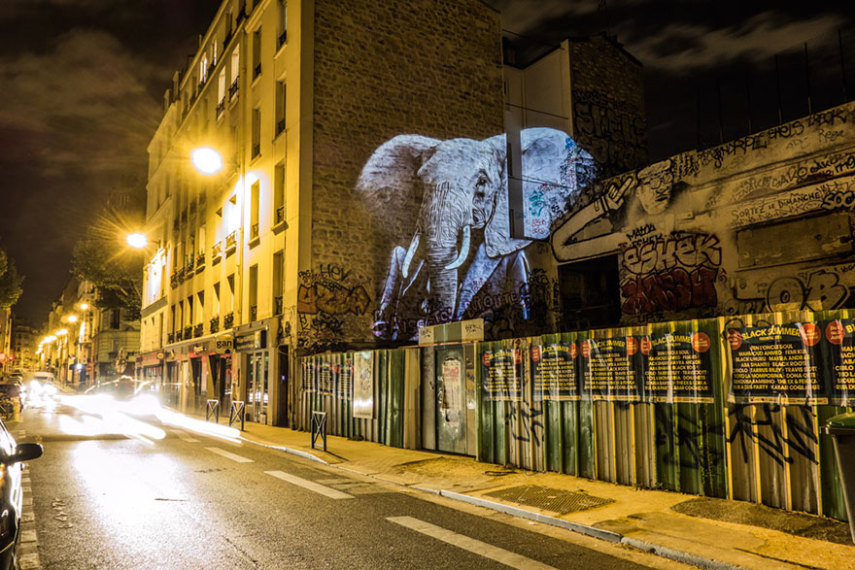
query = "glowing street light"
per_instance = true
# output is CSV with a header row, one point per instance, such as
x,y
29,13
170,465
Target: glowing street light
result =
x,y
84,306
71,318
61,332
137,240
207,160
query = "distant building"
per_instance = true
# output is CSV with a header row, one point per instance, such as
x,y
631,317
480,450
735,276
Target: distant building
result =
x,y
87,344
24,341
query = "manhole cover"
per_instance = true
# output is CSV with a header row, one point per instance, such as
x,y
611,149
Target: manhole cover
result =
x,y
555,500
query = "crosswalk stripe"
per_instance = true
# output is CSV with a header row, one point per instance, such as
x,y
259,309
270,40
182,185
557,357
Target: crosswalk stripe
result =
x,y
184,437
229,455
310,485
500,555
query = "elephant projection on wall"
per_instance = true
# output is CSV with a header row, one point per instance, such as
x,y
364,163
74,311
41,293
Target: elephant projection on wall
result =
x,y
462,260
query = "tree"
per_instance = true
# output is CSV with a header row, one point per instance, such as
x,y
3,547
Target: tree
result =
x,y
10,281
103,259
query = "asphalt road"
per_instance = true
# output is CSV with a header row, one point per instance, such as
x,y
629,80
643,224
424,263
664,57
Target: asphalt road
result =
x,y
111,493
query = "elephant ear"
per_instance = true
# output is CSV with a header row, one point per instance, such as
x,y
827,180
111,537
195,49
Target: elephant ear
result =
x,y
554,169
389,181
497,235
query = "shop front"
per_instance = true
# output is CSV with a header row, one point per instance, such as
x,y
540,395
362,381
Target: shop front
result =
x,y
150,368
253,381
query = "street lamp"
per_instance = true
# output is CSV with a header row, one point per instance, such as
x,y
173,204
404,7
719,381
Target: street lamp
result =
x,y
206,160
137,240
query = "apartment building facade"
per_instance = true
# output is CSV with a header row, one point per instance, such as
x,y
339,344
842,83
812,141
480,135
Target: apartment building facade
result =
x,y
339,128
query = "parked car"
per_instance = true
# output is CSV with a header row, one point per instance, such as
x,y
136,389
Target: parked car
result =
x,y
11,493
11,399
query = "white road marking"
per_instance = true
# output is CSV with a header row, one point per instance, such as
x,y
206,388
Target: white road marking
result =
x,y
310,485
500,555
184,437
229,455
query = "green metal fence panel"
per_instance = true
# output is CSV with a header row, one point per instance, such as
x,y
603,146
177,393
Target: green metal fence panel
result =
x,y
397,381
697,427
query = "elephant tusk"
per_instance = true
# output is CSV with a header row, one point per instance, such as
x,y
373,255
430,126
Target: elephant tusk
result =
x,y
411,252
464,250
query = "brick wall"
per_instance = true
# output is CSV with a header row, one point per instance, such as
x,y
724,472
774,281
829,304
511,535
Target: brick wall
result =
x,y
608,104
427,67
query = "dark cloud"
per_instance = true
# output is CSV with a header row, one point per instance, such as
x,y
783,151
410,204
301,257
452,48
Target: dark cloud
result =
x,y
83,81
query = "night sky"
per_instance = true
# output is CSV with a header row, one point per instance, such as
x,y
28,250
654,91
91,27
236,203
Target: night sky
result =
x,y
83,80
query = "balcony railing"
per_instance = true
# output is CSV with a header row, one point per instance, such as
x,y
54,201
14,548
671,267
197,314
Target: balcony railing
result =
x,y
214,324
221,106
174,280
216,253
188,332
170,338
280,214
198,330
231,242
233,88
277,305
253,312
228,320
189,264
200,260
179,335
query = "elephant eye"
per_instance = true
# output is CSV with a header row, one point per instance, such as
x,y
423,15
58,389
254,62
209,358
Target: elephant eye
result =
x,y
481,183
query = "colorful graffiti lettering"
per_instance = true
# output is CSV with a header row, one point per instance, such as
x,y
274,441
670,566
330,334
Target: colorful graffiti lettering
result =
x,y
671,290
694,250
671,274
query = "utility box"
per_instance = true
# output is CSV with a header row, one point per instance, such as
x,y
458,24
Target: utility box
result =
x,y
842,427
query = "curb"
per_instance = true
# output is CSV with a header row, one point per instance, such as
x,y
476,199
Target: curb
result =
x,y
297,452
594,532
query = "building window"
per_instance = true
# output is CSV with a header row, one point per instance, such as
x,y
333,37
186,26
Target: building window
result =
x,y
115,319
256,132
235,73
280,106
278,284
256,53
255,190
283,23
231,282
221,92
203,69
253,292
279,193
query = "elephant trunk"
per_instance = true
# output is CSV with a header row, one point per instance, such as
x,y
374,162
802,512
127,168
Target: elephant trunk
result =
x,y
443,281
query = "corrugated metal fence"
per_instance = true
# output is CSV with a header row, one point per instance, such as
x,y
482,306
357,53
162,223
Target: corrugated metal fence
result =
x,y
726,407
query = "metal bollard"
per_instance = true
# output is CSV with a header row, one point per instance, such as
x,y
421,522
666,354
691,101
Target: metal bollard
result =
x,y
319,428
212,409
238,410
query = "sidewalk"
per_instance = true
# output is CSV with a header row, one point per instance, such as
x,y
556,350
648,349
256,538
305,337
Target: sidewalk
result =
x,y
709,533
